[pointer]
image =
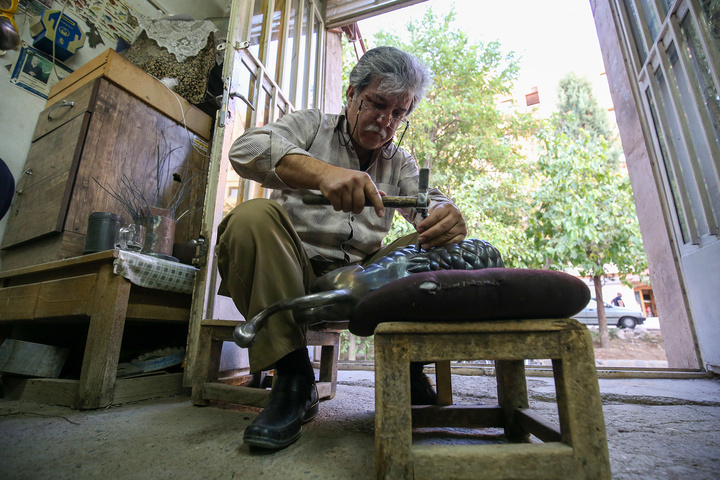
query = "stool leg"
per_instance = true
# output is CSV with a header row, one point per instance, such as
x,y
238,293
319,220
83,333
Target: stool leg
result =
x,y
512,394
443,379
329,358
393,416
582,424
207,364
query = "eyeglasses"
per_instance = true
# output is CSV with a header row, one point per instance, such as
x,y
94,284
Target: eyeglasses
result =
x,y
377,110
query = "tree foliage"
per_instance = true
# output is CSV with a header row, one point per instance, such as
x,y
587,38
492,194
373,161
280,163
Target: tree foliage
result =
x,y
584,213
567,207
580,113
579,110
473,146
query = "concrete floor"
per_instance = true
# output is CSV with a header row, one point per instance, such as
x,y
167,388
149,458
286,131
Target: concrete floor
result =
x,y
657,429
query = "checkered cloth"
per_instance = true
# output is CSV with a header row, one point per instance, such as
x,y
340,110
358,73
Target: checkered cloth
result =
x,y
152,272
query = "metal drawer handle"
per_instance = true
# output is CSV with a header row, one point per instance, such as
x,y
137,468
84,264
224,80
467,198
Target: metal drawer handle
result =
x,y
64,103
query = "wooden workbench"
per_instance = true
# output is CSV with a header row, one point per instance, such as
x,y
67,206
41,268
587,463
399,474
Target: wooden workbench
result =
x,y
84,290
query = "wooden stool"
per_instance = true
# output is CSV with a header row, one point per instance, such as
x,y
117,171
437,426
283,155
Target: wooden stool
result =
x,y
207,387
577,450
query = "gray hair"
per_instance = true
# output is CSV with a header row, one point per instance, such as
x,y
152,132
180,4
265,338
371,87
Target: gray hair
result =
x,y
398,71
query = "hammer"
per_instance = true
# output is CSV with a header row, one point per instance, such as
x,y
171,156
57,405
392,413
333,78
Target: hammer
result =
x,y
420,203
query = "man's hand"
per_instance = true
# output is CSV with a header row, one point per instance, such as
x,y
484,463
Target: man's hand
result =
x,y
443,226
346,189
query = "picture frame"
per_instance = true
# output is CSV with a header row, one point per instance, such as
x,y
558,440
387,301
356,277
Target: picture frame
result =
x,y
34,72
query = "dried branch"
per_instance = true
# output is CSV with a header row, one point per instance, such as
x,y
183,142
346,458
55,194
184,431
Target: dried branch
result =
x,y
129,196
132,198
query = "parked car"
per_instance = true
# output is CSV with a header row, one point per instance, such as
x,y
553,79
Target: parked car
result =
x,y
621,316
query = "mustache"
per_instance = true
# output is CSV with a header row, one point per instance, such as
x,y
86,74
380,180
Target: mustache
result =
x,y
376,129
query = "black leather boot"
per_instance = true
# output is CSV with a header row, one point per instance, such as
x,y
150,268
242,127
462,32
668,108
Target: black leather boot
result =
x,y
421,389
293,401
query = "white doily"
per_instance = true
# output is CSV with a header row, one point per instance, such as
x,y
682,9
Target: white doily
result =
x,y
182,38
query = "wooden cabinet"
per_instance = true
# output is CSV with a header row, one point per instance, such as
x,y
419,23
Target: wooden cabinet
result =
x,y
108,126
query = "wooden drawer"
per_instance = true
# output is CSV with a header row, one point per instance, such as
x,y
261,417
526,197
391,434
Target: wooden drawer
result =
x,y
66,109
44,190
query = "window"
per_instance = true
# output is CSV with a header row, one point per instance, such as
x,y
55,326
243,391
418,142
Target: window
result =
x,y
532,98
280,71
677,69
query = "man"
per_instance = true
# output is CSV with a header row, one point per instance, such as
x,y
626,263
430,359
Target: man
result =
x,y
618,301
34,69
7,188
269,250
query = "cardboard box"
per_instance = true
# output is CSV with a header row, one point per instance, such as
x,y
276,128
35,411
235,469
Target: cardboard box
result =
x,y
68,36
31,359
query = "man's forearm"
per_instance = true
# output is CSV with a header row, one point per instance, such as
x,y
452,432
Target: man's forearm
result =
x,y
301,171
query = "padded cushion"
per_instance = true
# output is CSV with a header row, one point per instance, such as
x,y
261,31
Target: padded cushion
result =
x,y
471,295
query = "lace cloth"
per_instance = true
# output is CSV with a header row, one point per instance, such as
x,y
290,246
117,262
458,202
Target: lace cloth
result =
x,y
182,38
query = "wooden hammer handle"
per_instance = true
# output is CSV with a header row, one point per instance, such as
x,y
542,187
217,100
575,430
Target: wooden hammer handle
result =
x,y
388,201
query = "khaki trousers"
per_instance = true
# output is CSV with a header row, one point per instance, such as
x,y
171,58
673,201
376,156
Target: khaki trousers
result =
x,y
261,261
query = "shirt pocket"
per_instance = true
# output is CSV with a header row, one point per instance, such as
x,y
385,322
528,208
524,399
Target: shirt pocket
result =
x,y
391,190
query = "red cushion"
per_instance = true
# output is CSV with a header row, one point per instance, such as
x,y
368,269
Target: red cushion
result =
x,y
471,295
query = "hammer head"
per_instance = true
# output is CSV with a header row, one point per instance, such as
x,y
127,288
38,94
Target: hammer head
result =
x,y
423,185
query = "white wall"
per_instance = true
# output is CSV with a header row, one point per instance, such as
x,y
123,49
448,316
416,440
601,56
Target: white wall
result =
x,y
198,10
19,109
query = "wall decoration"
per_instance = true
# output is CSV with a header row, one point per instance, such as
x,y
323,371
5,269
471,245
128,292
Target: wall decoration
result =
x,y
34,7
113,19
33,71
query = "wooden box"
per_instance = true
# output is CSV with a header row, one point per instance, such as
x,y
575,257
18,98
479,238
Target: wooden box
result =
x,y
113,66
106,126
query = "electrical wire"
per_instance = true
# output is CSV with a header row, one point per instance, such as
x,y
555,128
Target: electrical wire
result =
x,y
57,29
184,120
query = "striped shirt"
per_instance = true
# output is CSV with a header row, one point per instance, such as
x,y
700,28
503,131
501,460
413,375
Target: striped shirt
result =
x,y
327,235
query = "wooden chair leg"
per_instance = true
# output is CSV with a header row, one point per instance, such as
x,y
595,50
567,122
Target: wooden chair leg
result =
x,y
206,366
329,358
582,422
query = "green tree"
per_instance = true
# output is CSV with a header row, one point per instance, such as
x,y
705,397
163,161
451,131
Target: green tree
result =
x,y
584,216
473,146
581,113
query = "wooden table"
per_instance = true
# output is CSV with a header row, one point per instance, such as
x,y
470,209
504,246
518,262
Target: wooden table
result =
x,y
85,289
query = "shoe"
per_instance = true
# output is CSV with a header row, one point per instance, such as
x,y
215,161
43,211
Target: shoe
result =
x,y
293,401
421,391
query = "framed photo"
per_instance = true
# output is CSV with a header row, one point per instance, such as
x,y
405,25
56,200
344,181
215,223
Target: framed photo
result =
x,y
33,71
